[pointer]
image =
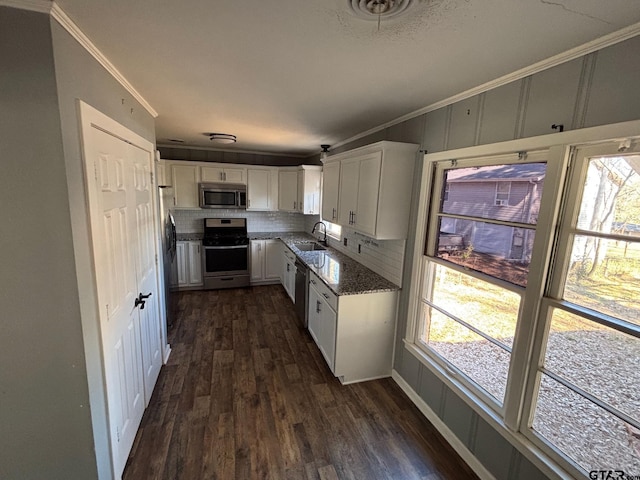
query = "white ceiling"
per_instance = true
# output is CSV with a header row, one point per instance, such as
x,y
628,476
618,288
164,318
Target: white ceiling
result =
x,y
288,75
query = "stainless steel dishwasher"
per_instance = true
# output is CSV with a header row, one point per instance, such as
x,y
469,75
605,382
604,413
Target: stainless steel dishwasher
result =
x,y
302,285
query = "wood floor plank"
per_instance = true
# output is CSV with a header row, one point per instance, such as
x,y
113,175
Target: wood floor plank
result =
x,y
246,394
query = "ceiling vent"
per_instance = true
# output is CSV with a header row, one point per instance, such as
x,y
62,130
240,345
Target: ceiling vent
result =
x,y
379,9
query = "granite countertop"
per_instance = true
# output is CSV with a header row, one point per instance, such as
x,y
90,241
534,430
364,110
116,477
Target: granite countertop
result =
x,y
342,274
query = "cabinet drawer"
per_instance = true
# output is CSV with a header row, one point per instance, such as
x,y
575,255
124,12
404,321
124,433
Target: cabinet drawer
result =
x,y
289,254
322,289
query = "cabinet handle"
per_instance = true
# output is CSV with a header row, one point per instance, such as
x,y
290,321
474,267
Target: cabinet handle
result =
x,y
287,267
354,218
313,281
295,205
333,213
325,295
317,306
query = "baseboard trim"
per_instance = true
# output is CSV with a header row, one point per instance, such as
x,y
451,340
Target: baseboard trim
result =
x,y
448,435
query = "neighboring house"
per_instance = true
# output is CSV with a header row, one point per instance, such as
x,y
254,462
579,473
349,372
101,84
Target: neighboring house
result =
x,y
506,192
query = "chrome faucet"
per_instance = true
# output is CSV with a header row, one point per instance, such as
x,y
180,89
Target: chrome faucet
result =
x,y
324,241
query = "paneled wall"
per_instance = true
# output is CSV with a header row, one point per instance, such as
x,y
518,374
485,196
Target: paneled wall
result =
x,y
219,156
598,89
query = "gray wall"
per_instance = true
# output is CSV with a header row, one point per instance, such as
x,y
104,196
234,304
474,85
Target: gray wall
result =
x,y
50,371
45,421
598,89
80,76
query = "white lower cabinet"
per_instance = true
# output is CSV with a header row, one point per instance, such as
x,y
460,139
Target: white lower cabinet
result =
x,y
189,263
322,325
266,261
354,332
289,273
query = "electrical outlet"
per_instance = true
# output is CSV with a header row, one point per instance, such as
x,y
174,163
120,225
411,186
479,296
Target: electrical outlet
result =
x,y
359,248
344,241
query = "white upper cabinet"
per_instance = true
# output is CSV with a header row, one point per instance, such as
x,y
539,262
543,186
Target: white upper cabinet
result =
x,y
184,179
309,180
330,191
375,187
288,190
223,174
262,189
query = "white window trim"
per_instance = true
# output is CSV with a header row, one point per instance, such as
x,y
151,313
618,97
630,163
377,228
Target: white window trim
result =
x,y
498,201
559,145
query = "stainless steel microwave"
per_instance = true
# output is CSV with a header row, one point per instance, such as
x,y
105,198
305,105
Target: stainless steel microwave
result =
x,y
223,195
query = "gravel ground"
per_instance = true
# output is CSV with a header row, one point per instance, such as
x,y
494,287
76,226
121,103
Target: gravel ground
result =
x,y
605,364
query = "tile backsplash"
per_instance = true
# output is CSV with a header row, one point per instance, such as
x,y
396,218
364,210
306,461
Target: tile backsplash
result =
x,y
385,257
191,221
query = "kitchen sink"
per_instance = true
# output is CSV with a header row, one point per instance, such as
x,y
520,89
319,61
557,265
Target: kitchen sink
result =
x,y
307,247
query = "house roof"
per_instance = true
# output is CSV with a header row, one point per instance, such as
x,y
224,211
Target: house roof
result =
x,y
508,173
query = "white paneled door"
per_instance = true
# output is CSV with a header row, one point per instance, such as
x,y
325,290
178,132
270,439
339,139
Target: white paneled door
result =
x,y
121,199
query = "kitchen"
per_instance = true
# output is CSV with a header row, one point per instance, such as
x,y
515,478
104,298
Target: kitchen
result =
x,y
56,381
266,237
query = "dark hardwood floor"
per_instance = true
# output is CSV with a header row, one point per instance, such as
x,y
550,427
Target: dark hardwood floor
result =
x,y
246,394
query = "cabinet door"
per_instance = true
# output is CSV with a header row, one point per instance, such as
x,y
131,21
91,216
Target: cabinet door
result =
x,y
257,261
195,263
300,192
313,312
328,318
185,180
258,189
348,190
309,191
330,191
235,175
272,264
368,189
212,174
288,191
181,263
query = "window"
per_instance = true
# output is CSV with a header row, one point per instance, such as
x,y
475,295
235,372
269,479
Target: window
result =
x,y
588,387
531,307
333,230
478,258
503,189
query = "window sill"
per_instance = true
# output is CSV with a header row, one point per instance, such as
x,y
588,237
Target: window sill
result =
x,y
518,440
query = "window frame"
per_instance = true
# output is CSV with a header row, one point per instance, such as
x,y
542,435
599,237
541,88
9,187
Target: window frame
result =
x,y
529,334
551,298
508,407
498,201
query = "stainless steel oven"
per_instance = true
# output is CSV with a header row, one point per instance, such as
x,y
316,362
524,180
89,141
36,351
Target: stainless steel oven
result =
x,y
225,257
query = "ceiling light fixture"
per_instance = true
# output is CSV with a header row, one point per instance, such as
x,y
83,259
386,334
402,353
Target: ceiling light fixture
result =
x,y
222,138
379,9
325,152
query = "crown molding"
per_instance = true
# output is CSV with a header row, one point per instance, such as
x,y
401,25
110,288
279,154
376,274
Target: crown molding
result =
x,y
52,8
577,52
69,25
42,6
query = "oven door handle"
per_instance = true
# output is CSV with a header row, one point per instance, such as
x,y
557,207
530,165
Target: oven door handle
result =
x,y
226,248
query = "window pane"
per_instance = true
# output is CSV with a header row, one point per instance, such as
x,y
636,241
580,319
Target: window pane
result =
x,y
482,361
604,275
597,359
476,192
497,250
491,309
611,196
586,433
